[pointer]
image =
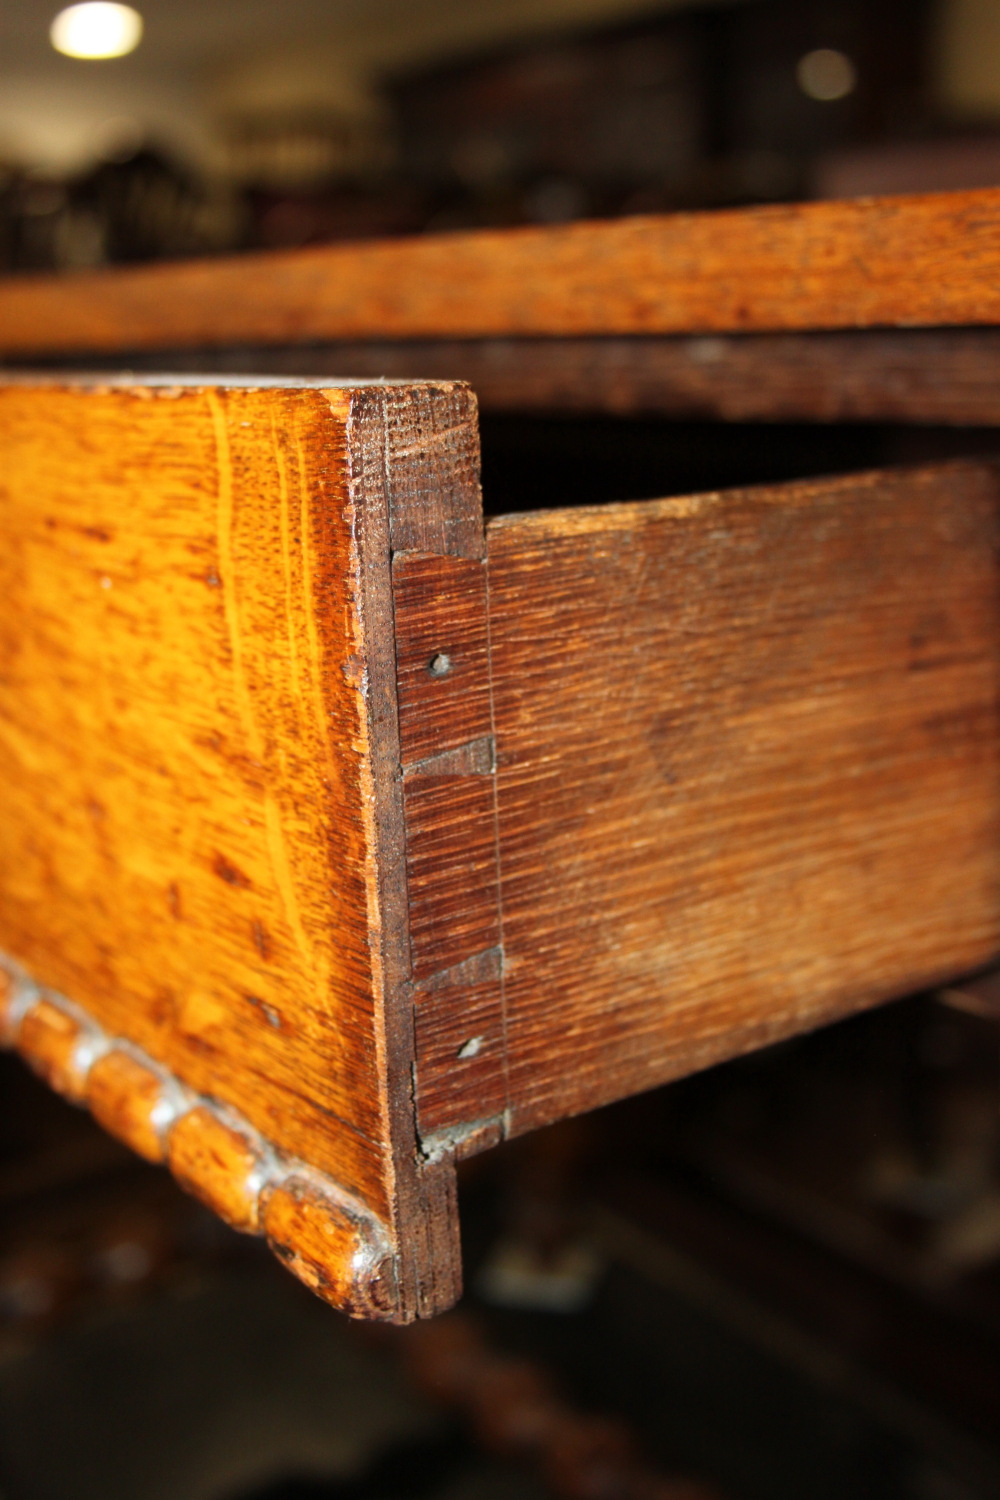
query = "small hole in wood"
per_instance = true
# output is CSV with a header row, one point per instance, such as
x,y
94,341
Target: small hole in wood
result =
x,y
471,1048
439,664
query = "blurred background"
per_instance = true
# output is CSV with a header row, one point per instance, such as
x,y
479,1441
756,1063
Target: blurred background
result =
x,y
779,1280
242,124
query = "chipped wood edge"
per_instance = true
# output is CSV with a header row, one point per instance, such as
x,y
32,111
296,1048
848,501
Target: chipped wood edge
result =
x,y
320,1232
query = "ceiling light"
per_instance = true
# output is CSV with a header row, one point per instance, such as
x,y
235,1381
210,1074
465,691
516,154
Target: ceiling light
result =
x,y
826,74
98,29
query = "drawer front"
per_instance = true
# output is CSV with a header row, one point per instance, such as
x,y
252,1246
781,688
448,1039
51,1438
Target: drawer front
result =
x,y
203,874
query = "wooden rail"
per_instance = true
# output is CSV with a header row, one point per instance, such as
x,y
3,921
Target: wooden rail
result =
x,y
938,376
932,260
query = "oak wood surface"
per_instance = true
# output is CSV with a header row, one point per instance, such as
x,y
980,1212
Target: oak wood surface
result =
x,y
927,260
945,376
179,818
204,827
748,768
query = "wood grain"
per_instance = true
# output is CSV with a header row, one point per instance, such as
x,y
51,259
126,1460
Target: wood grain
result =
x,y
748,769
452,869
356,843
944,376
181,747
322,1234
442,654
415,480
220,1165
204,841
50,1038
332,1251
929,260
461,1053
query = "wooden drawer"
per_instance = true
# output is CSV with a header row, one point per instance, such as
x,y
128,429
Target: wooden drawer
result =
x,y
342,838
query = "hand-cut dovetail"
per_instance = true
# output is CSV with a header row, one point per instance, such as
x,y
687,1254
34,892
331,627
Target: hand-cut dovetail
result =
x,y
334,1244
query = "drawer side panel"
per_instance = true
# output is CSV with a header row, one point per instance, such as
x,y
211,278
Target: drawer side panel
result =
x,y
748,757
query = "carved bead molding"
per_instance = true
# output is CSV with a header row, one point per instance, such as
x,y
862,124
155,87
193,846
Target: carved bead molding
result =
x,y
322,1234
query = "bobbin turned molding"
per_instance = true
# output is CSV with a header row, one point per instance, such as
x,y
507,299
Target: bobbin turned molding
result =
x,y
328,1241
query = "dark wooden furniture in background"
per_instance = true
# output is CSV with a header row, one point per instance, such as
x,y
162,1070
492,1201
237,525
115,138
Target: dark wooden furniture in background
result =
x,y
612,793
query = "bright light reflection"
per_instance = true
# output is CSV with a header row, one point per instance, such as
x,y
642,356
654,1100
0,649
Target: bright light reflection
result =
x,y
97,29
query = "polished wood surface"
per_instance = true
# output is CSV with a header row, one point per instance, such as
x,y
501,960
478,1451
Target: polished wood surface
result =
x,y
929,260
748,752
202,864
182,752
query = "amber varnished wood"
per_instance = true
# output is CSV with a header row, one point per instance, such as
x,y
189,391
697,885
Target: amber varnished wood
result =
x,y
901,261
335,1251
203,868
123,1095
748,769
344,1255
174,816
